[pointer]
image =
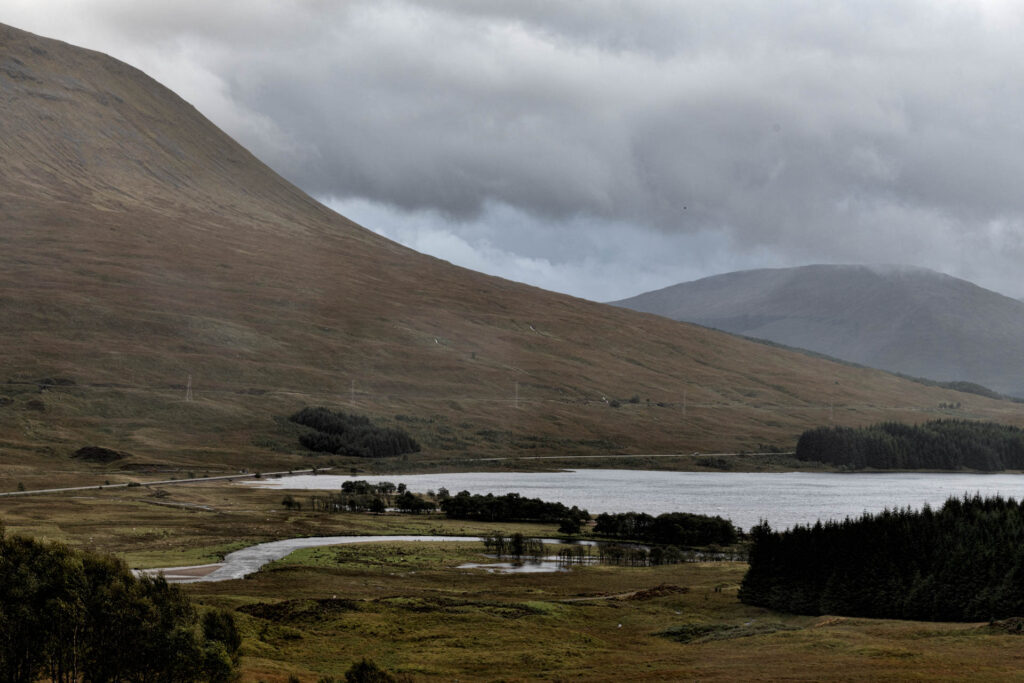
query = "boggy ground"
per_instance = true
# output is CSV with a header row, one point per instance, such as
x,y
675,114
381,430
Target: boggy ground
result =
x,y
594,623
409,609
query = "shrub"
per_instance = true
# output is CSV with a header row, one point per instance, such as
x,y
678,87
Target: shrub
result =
x,y
353,435
71,615
366,671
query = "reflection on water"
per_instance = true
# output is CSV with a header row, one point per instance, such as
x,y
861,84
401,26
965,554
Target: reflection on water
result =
x,y
524,567
783,499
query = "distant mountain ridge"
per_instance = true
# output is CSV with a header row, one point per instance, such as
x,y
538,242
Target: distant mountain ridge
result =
x,y
903,319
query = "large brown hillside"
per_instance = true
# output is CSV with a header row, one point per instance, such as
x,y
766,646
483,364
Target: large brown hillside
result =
x,y
140,245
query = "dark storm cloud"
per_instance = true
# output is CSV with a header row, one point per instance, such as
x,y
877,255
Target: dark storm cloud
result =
x,y
692,136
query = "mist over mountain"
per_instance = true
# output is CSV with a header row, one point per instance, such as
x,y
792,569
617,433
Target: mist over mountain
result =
x,y
909,320
166,295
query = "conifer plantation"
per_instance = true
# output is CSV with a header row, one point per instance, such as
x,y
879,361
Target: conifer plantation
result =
x,y
964,562
937,444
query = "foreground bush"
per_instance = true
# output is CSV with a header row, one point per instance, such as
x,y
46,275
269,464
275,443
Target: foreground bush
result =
x,y
962,563
367,671
69,616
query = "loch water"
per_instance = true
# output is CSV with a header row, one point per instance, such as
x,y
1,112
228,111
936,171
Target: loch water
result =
x,y
784,499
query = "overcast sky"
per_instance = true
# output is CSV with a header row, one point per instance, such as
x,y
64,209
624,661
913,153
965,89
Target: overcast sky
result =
x,y
605,148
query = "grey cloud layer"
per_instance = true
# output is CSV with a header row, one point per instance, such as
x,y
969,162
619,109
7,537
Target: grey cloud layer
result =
x,y
807,131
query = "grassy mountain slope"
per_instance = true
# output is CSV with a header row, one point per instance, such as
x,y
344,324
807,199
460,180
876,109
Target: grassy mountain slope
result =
x,y
909,320
140,247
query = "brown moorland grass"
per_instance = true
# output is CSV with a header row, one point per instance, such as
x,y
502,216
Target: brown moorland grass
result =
x,y
199,523
442,624
407,607
140,247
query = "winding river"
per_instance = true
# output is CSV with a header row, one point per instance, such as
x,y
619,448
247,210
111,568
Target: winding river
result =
x,y
241,563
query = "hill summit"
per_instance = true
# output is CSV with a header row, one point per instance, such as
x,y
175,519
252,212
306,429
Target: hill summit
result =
x,y
904,319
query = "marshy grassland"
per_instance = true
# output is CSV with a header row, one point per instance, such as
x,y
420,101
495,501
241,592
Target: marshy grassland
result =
x,y
407,607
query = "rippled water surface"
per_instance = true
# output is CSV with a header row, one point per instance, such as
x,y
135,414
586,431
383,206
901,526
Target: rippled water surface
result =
x,y
783,499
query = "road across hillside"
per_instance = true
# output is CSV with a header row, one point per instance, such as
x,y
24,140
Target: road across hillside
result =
x,y
254,475
650,455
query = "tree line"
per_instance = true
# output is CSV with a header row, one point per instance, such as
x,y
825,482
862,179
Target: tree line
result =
x,y
407,502
514,545
348,434
938,444
71,616
670,528
964,562
358,495
511,507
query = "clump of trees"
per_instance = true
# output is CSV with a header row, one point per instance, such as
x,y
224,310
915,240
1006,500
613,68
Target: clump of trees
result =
x,y
348,434
633,555
962,563
511,507
515,545
411,503
670,528
358,495
99,454
938,444
73,616
650,556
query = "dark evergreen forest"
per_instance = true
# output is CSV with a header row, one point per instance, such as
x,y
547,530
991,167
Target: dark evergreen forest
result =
x,y
355,435
939,444
964,562
70,616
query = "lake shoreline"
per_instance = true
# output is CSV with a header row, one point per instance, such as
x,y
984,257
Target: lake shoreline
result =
x,y
746,498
